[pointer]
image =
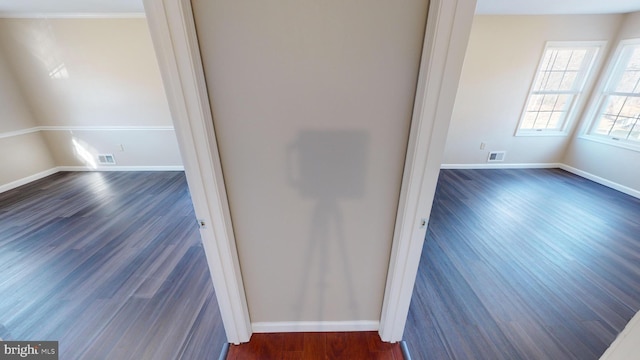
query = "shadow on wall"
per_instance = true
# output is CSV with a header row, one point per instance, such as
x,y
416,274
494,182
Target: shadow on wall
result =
x,y
327,167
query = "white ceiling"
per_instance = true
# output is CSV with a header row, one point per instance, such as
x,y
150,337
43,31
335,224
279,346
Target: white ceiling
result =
x,y
539,7
484,6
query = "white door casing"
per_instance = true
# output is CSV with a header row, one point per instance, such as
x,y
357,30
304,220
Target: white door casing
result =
x,y
173,34
445,41
445,44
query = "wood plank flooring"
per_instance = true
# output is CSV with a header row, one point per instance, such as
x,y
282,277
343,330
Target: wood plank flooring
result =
x,y
525,264
108,264
320,346
517,264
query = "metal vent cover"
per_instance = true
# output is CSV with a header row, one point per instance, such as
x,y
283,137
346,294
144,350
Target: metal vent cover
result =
x,y
495,156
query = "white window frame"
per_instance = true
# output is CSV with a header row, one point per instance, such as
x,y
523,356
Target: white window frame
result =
x,y
583,81
600,96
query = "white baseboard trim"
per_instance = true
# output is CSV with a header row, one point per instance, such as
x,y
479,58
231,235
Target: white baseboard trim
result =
x,y
121,168
43,174
502,166
26,180
602,181
625,346
314,326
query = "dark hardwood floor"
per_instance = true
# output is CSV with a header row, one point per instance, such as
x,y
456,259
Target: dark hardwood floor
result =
x,y
320,346
525,264
517,264
108,264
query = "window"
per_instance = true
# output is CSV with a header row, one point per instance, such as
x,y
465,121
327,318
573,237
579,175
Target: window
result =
x,y
617,119
561,77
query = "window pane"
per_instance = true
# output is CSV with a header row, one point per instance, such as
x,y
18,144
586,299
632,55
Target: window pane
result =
x,y
613,104
629,82
568,81
631,107
548,102
559,79
555,121
542,120
605,124
546,60
622,128
620,115
576,60
535,102
529,120
562,102
553,81
542,79
561,61
559,70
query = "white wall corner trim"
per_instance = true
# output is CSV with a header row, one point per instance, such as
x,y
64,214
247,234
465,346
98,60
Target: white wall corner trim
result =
x,y
121,168
174,37
445,42
28,179
314,326
602,181
502,166
18,132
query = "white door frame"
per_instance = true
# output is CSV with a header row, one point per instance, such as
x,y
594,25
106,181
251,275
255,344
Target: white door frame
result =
x,y
445,44
174,37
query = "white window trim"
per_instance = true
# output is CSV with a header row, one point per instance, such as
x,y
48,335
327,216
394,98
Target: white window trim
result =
x,y
598,97
579,99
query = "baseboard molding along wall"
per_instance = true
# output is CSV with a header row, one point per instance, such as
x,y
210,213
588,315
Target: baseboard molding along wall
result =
x,y
502,166
122,168
43,174
602,181
314,326
625,189
626,345
28,179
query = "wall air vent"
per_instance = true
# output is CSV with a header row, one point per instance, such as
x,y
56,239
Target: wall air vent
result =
x,y
495,156
106,159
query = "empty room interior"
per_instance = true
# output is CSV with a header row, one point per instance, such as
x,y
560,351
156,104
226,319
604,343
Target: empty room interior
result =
x,y
341,180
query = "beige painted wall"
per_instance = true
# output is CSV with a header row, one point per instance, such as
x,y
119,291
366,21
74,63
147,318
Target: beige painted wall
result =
x,y
613,163
500,63
113,77
23,155
82,74
312,103
147,148
16,114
